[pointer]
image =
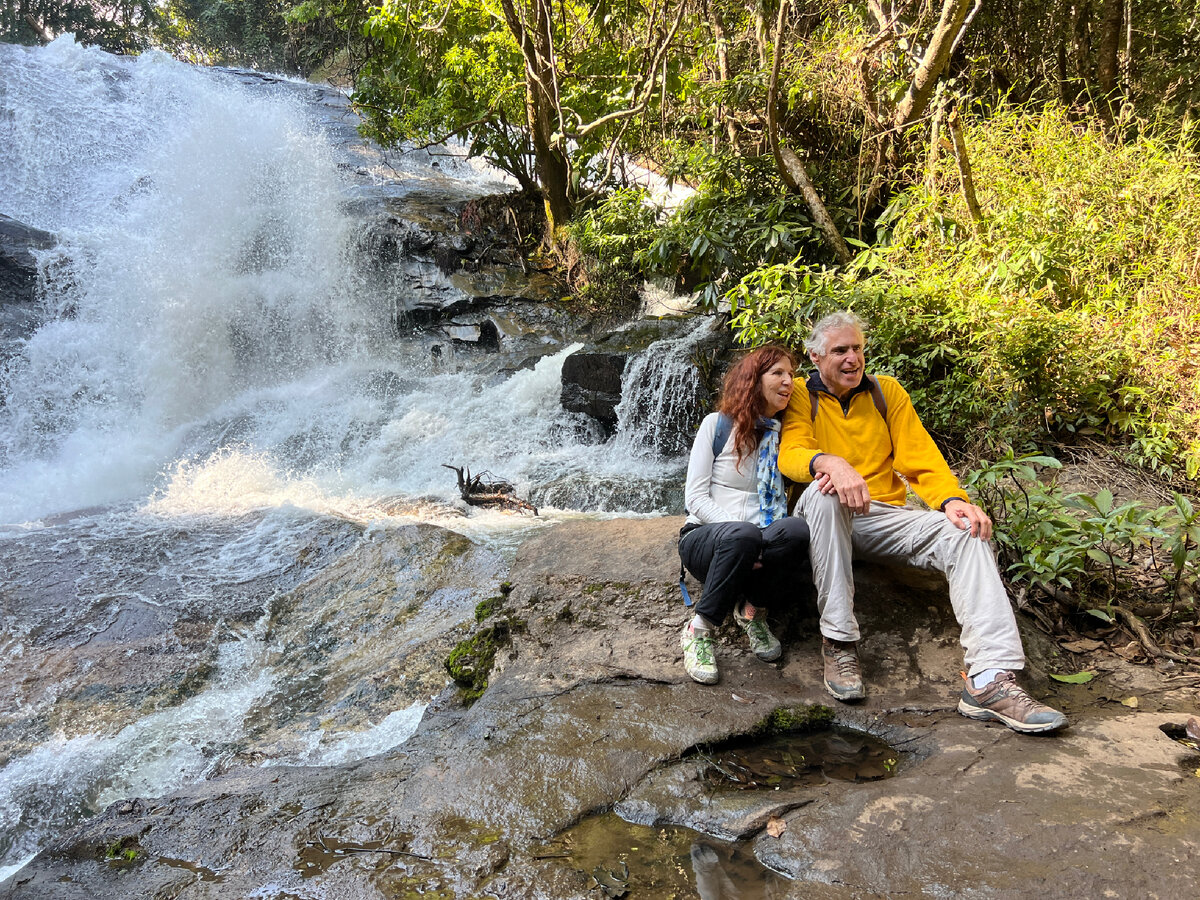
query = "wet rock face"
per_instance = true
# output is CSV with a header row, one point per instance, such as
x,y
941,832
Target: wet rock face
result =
x,y
588,708
591,384
19,276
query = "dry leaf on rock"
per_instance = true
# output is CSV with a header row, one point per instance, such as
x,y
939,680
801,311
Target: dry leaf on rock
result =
x,y
776,826
1083,645
1131,651
1131,702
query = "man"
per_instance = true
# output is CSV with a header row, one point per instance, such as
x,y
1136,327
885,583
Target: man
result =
x,y
853,436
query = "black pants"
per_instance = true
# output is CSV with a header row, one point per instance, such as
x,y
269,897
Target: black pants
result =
x,y
722,556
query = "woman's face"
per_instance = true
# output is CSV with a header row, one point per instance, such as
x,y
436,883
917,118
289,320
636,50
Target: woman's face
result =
x,y
776,385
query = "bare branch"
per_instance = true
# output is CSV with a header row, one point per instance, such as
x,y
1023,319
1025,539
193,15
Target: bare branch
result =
x,y
648,85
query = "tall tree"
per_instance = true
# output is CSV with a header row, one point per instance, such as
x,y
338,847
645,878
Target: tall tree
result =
x,y
575,76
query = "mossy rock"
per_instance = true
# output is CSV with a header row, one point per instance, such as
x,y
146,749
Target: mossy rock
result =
x,y
791,720
470,662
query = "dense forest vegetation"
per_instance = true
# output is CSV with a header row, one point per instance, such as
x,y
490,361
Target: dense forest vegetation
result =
x,y
1008,190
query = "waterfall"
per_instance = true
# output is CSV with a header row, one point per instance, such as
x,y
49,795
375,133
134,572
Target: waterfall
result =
x,y
661,393
212,337
218,439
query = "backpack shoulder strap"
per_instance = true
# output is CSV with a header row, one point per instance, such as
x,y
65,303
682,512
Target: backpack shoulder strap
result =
x,y
877,396
721,434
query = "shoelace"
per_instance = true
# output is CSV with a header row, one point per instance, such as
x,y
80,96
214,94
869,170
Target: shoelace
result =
x,y
759,631
846,660
1008,689
703,647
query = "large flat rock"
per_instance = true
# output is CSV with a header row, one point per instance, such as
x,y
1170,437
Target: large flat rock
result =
x,y
589,707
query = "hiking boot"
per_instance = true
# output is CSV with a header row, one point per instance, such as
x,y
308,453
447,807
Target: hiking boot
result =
x,y
842,677
699,657
1006,701
764,644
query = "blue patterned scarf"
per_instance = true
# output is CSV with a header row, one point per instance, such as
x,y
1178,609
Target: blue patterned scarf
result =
x,y
772,500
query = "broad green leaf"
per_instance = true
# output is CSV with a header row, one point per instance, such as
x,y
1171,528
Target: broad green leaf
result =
x,y
1101,614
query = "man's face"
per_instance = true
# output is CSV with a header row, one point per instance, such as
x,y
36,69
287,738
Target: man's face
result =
x,y
841,365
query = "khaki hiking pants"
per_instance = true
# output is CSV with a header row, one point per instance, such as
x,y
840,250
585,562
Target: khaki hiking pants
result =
x,y
921,538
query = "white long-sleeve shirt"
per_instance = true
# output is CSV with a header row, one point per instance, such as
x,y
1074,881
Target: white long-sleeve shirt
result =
x,y
717,489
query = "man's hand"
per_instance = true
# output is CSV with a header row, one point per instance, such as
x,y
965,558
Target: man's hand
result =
x,y
836,476
967,515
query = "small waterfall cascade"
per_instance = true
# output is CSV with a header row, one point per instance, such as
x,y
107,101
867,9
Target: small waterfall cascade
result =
x,y
662,390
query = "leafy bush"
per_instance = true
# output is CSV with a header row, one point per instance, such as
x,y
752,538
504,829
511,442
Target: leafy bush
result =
x,y
1089,548
1072,312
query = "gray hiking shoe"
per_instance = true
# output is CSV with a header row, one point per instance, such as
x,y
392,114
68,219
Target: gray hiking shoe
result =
x,y
1005,701
764,644
699,657
842,676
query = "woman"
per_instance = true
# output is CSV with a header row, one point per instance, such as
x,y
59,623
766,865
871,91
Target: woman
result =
x,y
739,537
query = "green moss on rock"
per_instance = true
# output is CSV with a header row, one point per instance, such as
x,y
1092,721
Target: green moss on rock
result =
x,y
788,720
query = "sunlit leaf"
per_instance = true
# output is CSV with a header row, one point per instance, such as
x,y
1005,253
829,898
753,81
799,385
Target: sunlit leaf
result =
x,y
1077,678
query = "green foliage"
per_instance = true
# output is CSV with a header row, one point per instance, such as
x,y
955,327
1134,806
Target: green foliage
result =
x,y
738,220
1073,313
1049,49
617,230
1092,547
251,33
121,26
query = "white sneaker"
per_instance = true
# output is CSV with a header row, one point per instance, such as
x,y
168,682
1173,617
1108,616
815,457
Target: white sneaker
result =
x,y
699,658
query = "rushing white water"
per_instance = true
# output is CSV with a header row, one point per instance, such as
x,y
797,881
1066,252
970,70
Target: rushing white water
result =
x,y
204,300
220,390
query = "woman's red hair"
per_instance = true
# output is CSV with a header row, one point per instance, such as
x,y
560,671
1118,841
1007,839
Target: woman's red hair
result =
x,y
742,397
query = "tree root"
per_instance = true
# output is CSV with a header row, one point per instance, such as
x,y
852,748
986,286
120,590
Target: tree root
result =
x,y
1138,626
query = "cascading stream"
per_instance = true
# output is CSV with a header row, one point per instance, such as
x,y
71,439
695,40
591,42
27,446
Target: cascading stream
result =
x,y
217,426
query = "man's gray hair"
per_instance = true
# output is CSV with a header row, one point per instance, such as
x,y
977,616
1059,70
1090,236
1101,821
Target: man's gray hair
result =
x,y
818,341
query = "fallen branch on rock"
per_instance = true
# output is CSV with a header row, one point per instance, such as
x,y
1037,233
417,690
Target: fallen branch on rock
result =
x,y
490,493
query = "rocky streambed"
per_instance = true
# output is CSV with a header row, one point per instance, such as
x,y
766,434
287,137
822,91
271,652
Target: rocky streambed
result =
x,y
587,712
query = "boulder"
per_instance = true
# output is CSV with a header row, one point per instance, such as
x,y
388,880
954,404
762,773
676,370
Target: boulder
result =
x,y
588,708
591,384
19,276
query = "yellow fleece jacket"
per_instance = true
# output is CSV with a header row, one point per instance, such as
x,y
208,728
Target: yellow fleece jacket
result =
x,y
879,451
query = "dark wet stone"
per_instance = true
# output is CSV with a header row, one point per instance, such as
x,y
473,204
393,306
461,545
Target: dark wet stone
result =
x,y
19,315
591,384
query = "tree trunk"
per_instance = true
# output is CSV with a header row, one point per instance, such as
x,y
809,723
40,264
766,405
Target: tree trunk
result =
x,y
935,149
790,166
1107,51
964,170
920,89
551,164
39,29
721,40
